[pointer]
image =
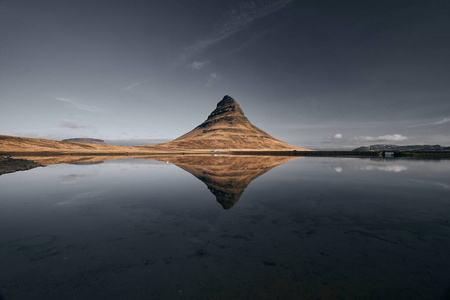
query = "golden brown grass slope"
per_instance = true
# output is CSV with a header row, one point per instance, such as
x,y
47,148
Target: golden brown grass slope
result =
x,y
227,128
11,144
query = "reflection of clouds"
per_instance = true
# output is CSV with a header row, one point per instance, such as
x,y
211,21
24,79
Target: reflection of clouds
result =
x,y
391,168
338,169
442,185
79,197
72,178
445,186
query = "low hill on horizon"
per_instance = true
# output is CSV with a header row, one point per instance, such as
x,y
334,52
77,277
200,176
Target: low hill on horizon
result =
x,y
84,141
387,147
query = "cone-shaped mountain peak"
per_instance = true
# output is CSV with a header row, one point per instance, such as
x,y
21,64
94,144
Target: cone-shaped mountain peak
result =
x,y
227,128
227,106
227,110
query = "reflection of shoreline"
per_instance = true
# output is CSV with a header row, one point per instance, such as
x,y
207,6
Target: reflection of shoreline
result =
x,y
86,163
11,165
73,159
226,176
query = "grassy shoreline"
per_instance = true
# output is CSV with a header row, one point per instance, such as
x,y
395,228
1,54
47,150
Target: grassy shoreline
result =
x,y
434,154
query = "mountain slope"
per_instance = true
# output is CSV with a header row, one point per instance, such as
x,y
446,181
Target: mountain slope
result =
x,y
227,128
12,144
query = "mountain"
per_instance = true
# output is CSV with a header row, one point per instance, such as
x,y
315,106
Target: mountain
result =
x,y
226,176
384,147
84,141
227,128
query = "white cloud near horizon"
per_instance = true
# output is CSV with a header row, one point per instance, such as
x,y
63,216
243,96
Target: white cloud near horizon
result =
x,y
73,124
381,138
338,136
80,106
236,19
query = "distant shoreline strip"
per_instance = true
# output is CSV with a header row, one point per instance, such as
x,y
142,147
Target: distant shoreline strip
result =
x,y
433,154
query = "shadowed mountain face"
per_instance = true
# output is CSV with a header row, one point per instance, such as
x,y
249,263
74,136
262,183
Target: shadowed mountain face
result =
x,y
227,128
226,176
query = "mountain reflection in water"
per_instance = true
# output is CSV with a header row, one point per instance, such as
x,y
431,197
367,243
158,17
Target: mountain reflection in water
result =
x,y
226,176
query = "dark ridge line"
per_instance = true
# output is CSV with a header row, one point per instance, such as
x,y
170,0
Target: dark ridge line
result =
x,y
396,154
311,153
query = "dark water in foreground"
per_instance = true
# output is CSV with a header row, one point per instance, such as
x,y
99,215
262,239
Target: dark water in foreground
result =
x,y
311,228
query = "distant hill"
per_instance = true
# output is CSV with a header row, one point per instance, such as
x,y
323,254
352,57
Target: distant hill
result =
x,y
227,128
383,147
84,141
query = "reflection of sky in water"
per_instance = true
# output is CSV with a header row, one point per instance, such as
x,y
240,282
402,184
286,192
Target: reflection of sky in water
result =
x,y
312,227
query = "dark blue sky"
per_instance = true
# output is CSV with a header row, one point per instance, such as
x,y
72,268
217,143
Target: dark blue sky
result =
x,y
318,74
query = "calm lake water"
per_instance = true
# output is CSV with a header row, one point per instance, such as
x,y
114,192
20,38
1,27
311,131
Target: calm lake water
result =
x,y
227,228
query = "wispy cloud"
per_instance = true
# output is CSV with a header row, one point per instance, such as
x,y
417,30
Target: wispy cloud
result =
x,y
236,19
79,106
133,85
73,124
197,65
433,123
381,138
212,77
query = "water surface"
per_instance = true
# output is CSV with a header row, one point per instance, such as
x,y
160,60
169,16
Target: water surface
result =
x,y
218,227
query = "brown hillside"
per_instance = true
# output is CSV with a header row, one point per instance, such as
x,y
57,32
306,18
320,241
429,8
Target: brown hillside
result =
x,y
227,128
12,144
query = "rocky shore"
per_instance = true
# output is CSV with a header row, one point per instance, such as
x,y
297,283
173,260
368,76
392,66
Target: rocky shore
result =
x,y
11,165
